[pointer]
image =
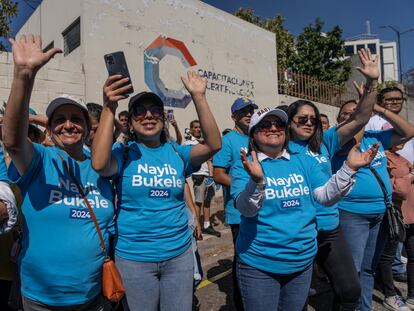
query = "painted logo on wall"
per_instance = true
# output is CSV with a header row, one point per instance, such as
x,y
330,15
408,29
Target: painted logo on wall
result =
x,y
153,54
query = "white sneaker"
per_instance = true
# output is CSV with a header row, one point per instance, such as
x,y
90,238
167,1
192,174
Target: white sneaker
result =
x,y
395,303
410,303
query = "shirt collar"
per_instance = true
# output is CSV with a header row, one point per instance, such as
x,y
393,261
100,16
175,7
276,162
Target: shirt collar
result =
x,y
261,156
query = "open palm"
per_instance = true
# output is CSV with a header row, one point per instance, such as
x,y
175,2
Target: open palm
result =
x,y
253,168
369,67
357,159
28,54
194,84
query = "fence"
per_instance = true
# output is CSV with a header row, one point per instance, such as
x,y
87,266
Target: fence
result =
x,y
307,87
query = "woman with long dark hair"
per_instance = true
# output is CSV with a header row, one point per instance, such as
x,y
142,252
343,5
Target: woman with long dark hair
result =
x,y
153,244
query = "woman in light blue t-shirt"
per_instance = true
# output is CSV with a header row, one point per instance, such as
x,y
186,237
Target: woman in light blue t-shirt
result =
x,y
153,242
60,262
306,136
276,245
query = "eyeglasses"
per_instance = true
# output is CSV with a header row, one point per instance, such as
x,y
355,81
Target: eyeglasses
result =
x,y
266,125
393,100
303,120
139,111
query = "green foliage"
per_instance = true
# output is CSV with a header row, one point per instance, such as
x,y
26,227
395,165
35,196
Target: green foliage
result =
x,y
8,11
285,46
386,84
322,54
318,54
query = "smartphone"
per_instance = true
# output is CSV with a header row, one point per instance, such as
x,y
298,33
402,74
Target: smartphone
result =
x,y
116,65
170,115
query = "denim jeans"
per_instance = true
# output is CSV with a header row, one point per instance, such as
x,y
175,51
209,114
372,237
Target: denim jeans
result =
x,y
264,291
95,304
366,238
398,267
334,255
153,286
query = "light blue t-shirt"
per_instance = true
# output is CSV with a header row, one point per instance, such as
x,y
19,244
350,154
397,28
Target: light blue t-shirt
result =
x,y
152,222
367,197
281,238
327,218
61,259
3,168
229,158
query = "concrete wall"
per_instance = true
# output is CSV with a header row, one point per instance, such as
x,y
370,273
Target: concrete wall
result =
x,y
218,41
58,76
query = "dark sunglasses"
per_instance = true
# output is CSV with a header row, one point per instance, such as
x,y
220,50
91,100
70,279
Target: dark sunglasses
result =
x,y
266,125
304,120
140,111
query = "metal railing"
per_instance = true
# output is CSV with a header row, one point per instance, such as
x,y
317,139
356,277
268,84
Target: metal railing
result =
x,y
307,87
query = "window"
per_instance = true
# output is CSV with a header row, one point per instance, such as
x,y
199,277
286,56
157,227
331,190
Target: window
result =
x,y
360,47
51,45
373,48
349,50
71,37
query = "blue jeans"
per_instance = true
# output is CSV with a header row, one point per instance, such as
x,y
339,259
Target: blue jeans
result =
x,y
366,238
398,267
264,291
153,286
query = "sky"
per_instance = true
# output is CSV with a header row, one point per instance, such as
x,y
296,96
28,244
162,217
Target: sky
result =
x,y
350,15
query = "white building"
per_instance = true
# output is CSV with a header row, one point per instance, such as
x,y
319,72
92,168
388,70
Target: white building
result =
x,y
236,57
387,52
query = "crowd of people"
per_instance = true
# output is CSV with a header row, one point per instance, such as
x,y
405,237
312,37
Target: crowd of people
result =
x,y
298,193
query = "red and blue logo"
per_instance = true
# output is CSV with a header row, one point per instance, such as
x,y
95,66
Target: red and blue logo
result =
x,y
153,54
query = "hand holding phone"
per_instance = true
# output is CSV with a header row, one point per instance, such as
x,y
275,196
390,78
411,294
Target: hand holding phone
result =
x,y
116,65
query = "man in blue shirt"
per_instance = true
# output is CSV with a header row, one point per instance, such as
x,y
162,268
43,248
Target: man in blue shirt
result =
x,y
229,172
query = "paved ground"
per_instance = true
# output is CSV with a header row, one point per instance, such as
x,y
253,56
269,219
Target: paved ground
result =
x,y
217,255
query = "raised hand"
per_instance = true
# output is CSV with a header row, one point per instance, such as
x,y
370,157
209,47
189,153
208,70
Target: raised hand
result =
x,y
113,91
28,55
359,88
357,159
194,84
253,168
369,65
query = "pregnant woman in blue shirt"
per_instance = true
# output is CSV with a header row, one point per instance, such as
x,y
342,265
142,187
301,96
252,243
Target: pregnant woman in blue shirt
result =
x,y
277,240
153,245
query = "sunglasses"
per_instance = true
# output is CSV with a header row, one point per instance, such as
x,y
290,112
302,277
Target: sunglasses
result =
x,y
266,125
139,111
303,120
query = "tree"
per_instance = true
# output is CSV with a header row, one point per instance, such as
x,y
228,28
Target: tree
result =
x,y
8,11
322,55
284,39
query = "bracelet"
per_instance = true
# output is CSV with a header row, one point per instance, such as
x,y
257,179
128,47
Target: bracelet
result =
x,y
382,113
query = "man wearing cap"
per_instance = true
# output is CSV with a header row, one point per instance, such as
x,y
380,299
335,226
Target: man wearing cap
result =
x,y
229,171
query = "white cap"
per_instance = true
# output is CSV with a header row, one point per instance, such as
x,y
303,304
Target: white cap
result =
x,y
64,99
261,113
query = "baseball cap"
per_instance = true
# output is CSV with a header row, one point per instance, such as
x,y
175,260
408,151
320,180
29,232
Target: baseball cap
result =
x,y
242,102
260,114
65,99
144,96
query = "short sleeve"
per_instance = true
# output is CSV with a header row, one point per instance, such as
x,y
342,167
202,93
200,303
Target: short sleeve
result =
x,y
118,151
331,141
184,153
223,158
384,137
34,168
